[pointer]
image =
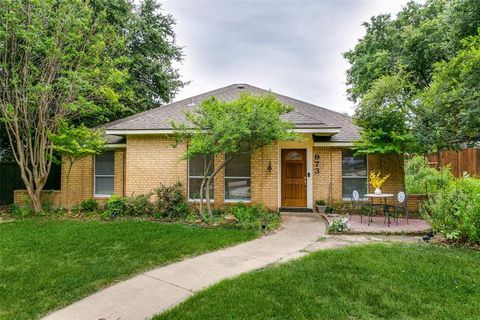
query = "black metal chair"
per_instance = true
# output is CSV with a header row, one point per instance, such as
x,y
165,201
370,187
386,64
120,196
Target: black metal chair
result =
x,y
359,205
401,207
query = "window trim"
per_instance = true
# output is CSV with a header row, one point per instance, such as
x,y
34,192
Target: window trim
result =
x,y
192,200
355,177
230,200
95,176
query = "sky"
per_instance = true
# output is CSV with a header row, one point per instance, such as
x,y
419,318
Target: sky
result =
x,y
291,47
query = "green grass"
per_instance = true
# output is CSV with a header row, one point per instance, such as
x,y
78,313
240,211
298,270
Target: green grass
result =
x,y
364,282
46,265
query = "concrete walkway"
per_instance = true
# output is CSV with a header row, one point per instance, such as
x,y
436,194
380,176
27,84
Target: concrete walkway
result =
x,y
154,291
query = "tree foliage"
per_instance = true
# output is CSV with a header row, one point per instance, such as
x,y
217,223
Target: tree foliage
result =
x,y
416,46
383,115
449,109
148,52
74,143
53,66
231,128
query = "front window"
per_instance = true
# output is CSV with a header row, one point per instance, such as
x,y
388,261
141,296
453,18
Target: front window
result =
x,y
196,171
354,174
237,178
104,174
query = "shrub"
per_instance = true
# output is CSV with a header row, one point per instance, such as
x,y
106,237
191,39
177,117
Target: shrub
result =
x,y
421,178
170,202
115,206
88,205
139,205
455,210
21,211
254,216
321,202
338,225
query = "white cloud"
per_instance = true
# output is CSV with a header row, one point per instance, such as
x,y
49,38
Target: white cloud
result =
x,y
292,47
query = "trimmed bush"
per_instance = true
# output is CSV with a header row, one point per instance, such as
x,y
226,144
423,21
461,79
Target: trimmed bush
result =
x,y
455,210
170,202
139,205
115,206
88,205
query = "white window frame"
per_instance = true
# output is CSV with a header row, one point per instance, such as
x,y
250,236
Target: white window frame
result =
x,y
95,176
362,197
198,177
227,200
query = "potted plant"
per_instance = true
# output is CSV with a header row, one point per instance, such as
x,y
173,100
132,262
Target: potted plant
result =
x,y
321,206
377,181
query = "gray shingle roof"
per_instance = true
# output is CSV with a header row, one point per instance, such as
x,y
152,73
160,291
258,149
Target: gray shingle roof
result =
x,y
304,115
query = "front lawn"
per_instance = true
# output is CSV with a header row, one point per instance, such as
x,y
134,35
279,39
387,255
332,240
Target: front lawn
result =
x,y
47,264
364,282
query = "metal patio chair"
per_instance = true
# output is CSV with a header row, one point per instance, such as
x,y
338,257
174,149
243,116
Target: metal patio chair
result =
x,y
359,205
400,207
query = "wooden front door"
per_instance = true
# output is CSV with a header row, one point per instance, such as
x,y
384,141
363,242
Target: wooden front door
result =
x,y
294,178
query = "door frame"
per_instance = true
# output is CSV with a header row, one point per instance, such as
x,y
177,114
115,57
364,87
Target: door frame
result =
x,y
306,153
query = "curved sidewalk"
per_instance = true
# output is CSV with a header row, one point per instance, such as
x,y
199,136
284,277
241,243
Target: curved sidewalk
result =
x,y
159,289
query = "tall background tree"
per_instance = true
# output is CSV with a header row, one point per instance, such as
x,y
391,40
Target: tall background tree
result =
x,y
149,53
84,62
53,67
411,46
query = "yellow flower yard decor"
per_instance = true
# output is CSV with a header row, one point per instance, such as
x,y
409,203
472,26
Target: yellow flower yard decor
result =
x,y
377,181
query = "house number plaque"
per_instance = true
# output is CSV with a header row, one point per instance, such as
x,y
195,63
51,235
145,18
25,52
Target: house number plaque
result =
x,y
316,164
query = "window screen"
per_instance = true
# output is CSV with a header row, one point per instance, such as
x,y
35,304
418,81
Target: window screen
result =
x,y
104,174
238,178
354,174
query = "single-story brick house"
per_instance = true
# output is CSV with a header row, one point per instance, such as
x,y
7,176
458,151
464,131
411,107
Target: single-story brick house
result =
x,y
140,155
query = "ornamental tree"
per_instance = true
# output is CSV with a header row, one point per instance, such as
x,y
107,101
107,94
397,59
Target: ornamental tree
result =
x,y
55,65
230,128
74,143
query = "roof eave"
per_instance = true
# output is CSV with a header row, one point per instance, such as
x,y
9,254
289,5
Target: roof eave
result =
x,y
323,131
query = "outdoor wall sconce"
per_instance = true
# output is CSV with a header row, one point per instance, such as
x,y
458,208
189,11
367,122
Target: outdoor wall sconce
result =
x,y
269,168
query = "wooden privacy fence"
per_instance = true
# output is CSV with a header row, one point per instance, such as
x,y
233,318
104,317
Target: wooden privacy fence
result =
x,y
11,180
465,160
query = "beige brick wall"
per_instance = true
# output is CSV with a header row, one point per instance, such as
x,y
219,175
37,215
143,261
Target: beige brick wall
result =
x,y
80,186
388,164
264,183
148,161
53,197
327,181
151,160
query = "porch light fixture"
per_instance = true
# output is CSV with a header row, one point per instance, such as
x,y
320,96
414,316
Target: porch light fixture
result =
x,y
269,168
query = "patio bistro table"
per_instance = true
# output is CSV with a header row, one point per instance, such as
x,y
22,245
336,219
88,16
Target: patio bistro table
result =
x,y
384,196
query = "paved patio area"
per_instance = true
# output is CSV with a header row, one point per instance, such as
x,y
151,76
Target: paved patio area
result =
x,y
414,226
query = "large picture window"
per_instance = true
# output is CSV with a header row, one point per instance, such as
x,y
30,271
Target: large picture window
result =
x,y
354,174
196,169
238,178
104,174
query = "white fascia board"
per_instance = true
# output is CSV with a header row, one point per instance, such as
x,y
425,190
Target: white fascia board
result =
x,y
134,132
333,144
170,131
115,145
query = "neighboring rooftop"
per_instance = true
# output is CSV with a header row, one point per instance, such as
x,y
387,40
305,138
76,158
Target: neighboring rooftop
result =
x,y
304,116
